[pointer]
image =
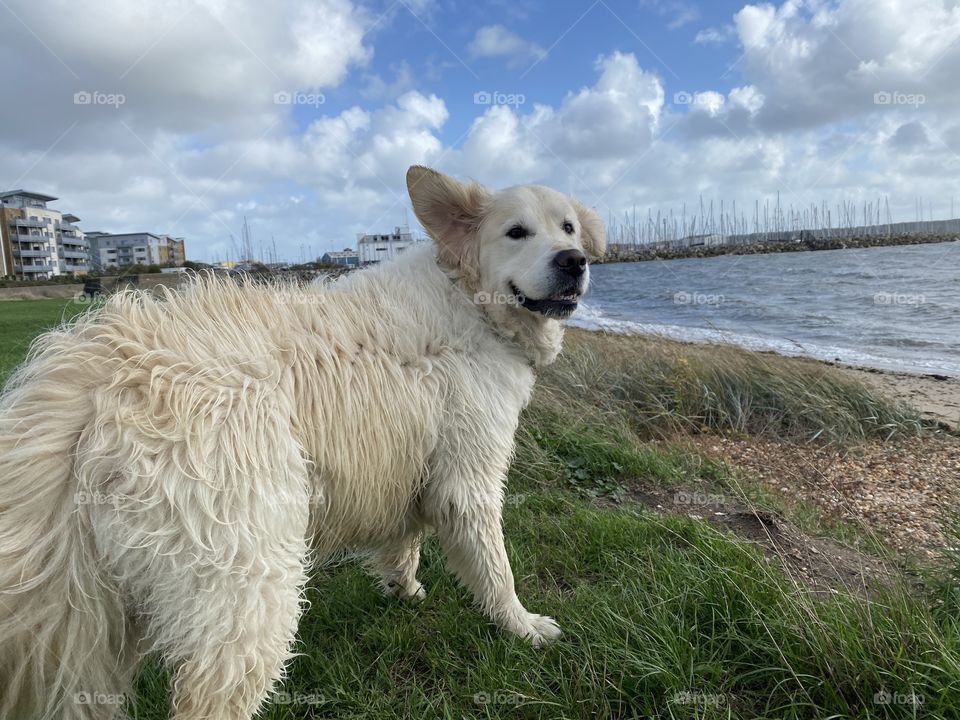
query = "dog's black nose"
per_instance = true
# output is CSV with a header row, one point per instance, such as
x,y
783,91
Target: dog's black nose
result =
x,y
571,262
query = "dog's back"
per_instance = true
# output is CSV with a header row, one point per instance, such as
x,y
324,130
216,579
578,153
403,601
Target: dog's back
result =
x,y
55,621
143,436
143,405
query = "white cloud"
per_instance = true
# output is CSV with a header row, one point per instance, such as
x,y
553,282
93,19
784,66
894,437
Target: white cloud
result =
x,y
909,136
181,65
709,101
379,89
200,142
747,97
599,125
819,63
677,12
495,41
715,36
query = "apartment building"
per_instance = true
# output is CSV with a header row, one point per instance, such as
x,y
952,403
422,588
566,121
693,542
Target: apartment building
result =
x,y
73,248
374,248
120,250
346,257
173,251
38,242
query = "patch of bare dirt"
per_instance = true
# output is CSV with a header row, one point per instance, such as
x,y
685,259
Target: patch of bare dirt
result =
x,y
819,564
902,492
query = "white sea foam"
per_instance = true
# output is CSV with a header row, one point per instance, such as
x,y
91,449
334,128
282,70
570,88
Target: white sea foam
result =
x,y
590,317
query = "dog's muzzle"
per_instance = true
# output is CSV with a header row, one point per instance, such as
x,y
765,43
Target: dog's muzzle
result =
x,y
570,267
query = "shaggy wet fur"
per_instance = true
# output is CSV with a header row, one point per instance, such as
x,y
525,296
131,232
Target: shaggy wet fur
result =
x,y
171,466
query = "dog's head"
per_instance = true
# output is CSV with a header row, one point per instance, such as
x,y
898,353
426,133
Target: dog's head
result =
x,y
526,247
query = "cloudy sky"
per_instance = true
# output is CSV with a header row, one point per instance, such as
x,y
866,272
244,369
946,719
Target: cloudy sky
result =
x,y
184,116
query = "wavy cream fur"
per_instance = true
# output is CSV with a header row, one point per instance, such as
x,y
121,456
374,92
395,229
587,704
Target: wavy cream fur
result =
x,y
170,466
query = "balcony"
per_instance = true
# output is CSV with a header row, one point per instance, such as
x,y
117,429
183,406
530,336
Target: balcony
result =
x,y
21,222
27,269
31,253
67,227
71,267
74,255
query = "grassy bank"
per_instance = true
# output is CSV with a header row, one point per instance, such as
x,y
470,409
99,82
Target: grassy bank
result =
x,y
665,615
22,320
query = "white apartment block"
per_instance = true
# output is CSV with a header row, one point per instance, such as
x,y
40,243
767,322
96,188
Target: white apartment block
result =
x,y
122,250
375,248
38,242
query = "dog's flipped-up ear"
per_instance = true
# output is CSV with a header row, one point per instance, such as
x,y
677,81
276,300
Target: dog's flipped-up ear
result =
x,y
451,213
591,229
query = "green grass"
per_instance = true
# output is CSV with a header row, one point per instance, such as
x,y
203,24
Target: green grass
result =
x,y
22,320
652,608
659,387
663,616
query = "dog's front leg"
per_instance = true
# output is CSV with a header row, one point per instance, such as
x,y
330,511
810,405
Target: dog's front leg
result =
x,y
395,566
472,539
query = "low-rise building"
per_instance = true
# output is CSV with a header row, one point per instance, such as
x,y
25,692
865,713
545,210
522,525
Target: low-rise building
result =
x,y
172,251
120,250
346,257
73,247
375,248
38,242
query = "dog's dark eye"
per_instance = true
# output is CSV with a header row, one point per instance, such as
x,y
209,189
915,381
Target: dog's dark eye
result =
x,y
568,227
517,232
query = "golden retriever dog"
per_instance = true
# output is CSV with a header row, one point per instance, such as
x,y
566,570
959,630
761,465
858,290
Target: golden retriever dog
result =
x,y
172,466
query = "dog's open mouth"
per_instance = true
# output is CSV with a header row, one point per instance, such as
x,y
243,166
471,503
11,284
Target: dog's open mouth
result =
x,y
558,305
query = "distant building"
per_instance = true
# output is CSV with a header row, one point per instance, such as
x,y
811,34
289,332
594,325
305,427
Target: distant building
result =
x,y
346,257
173,251
705,240
120,250
374,248
38,242
74,250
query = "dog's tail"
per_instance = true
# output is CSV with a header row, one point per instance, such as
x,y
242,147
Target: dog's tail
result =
x,y
61,625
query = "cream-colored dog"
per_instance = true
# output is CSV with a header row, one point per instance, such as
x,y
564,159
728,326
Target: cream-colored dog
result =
x,y
170,467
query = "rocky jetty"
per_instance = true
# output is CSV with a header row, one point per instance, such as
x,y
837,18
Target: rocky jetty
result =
x,y
640,254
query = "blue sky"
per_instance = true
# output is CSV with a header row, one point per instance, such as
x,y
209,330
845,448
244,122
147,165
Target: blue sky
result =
x,y
435,46
645,104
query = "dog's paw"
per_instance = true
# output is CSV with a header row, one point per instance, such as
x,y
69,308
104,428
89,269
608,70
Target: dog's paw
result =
x,y
540,630
415,593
